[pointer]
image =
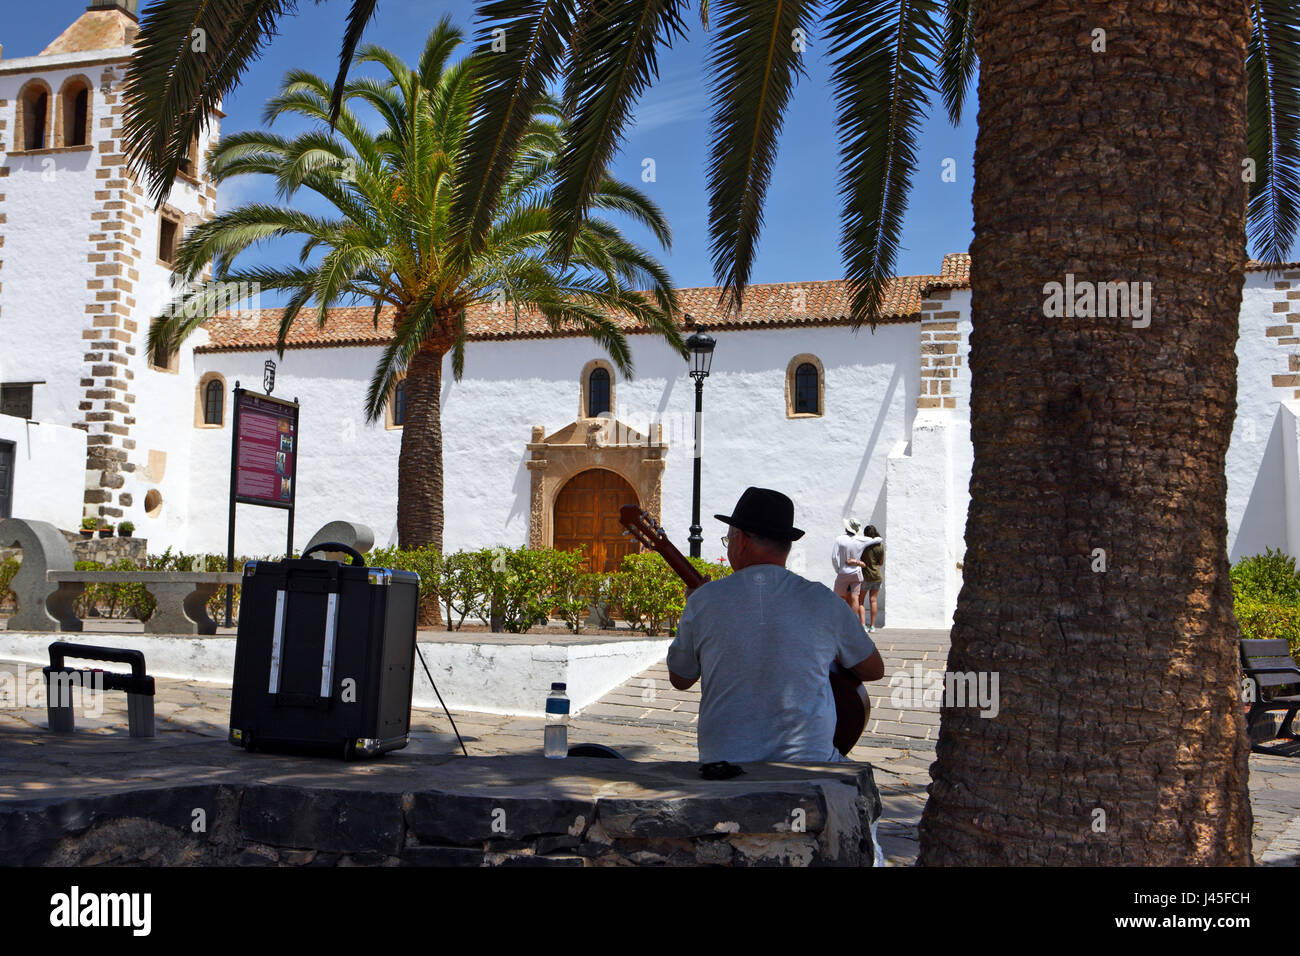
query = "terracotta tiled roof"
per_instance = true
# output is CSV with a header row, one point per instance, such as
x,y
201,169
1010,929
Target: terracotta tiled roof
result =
x,y
956,265
95,30
779,305
954,274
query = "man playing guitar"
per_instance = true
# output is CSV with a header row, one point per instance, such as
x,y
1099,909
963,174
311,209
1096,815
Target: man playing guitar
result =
x,y
764,641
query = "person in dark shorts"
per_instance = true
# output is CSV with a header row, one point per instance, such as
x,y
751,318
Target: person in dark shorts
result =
x,y
873,576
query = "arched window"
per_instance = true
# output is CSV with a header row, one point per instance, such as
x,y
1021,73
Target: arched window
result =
x,y
596,389
399,403
33,116
395,415
598,392
805,387
189,165
74,113
209,399
214,399
805,390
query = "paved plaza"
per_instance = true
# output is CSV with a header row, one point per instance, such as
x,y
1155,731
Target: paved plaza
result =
x,y
647,719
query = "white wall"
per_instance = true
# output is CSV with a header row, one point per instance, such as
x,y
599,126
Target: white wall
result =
x,y
1256,482
50,197
49,468
929,496
831,466
932,476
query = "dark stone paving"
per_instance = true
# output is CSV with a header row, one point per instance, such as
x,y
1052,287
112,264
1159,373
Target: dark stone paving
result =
x,y
644,719
899,744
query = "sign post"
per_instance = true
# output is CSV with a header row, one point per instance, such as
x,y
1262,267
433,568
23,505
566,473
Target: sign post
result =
x,y
263,463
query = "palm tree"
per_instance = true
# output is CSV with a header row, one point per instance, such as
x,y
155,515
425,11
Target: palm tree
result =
x,y
388,243
1109,160
1118,690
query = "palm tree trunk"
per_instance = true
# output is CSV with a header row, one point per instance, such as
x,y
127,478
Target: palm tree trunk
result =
x,y
1120,736
419,478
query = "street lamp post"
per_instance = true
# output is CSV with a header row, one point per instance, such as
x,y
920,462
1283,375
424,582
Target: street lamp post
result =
x,y
701,345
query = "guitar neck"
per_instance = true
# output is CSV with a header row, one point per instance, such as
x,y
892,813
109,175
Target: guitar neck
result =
x,y
647,531
678,562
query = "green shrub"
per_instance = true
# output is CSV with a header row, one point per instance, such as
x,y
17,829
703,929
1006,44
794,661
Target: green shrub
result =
x,y
217,603
8,568
521,586
92,595
711,569
649,594
1262,620
1266,598
571,588
426,562
464,585
603,591
1270,578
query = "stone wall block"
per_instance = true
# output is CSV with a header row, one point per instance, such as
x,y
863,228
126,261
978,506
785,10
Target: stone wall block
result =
x,y
469,819
333,821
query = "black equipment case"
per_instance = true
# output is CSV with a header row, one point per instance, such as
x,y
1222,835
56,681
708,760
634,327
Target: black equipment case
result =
x,y
324,659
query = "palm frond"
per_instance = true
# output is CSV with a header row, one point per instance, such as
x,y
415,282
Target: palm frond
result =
x,y
188,55
632,202
361,13
225,236
248,151
1273,124
612,63
438,48
511,82
883,51
755,62
194,307
957,60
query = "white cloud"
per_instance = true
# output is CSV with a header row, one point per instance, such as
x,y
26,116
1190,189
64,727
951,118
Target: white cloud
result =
x,y
672,102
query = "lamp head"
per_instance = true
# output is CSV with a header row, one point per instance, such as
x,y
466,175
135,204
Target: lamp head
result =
x,y
701,345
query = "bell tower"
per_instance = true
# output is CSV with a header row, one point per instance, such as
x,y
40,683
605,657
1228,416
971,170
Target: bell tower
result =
x,y
85,261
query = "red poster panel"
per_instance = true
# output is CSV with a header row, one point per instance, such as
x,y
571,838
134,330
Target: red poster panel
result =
x,y
266,450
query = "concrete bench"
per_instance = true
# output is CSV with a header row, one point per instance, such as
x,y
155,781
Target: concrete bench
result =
x,y
47,586
181,596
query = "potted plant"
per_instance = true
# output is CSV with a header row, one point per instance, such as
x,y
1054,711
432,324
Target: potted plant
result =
x,y
88,526
125,529
106,530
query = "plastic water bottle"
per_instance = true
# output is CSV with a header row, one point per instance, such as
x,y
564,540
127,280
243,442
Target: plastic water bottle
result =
x,y
557,722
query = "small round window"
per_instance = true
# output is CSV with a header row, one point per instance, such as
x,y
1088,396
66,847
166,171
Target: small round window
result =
x,y
153,503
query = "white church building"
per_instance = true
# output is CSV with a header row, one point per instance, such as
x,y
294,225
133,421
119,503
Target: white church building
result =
x,y
543,440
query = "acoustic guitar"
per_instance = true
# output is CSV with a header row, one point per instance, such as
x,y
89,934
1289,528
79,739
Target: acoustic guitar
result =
x,y
850,694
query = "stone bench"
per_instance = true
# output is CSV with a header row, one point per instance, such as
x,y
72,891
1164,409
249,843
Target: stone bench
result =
x,y
47,587
181,596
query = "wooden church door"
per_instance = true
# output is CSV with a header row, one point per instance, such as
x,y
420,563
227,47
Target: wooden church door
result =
x,y
586,514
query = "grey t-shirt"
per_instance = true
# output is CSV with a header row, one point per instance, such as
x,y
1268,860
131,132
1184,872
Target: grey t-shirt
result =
x,y
762,640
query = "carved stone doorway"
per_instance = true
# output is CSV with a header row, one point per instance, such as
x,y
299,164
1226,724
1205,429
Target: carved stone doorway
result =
x,y
601,445
586,516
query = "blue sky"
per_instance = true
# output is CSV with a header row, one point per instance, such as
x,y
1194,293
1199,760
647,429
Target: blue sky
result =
x,y
800,239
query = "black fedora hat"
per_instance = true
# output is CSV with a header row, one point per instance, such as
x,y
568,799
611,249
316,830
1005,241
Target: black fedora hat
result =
x,y
766,513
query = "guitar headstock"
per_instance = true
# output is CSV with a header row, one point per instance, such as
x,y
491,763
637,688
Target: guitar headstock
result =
x,y
646,530
641,526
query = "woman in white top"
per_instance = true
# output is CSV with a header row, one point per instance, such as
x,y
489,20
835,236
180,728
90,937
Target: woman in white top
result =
x,y
845,558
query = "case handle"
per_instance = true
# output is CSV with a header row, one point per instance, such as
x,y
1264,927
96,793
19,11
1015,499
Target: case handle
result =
x,y
357,559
